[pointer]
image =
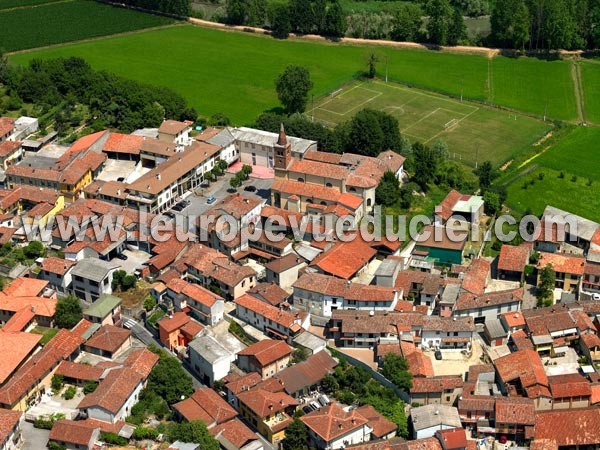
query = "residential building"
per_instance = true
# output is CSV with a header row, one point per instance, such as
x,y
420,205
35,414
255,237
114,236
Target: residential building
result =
x,y
568,269
437,244
109,341
321,294
223,138
210,359
515,417
75,435
105,311
177,330
234,435
174,131
203,304
305,376
569,429
92,278
16,347
333,427
269,319
488,305
381,428
443,390
206,405
462,208
269,412
570,391
447,333
57,272
344,260
267,357
512,261
272,294
10,430
428,419
284,271
11,152
455,439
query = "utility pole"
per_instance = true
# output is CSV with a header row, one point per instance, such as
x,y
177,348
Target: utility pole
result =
x,y
312,111
476,155
386,68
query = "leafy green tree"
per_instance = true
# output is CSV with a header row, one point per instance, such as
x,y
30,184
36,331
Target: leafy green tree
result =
x,y
57,382
492,202
246,171
149,303
365,133
89,387
372,61
520,26
457,31
296,436
425,165
299,354
235,181
293,86
395,369
236,12
330,383
219,120
68,312
280,21
168,379
407,194
440,17
195,432
34,249
546,285
335,20
302,16
222,164
486,174
407,23
388,190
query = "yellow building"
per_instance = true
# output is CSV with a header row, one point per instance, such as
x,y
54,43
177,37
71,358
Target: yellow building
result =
x,y
270,413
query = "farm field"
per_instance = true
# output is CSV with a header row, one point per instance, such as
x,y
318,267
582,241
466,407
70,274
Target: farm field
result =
x,y
575,157
56,23
426,117
590,74
528,84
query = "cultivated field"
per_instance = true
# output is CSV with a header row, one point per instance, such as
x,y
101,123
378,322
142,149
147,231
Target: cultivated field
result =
x,y
566,169
471,130
56,23
590,74
7,4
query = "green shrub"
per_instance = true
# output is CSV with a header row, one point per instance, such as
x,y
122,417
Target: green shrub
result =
x,y
89,387
141,433
69,393
113,439
57,383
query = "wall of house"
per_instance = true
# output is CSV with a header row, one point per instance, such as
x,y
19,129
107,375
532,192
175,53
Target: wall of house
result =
x,y
429,432
210,372
482,314
433,339
88,291
571,402
13,440
362,434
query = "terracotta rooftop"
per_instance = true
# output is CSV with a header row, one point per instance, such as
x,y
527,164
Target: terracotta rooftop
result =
x,y
344,259
284,318
109,338
331,422
269,292
113,391
523,365
7,125
267,351
380,425
25,287
446,205
206,405
78,371
173,127
243,383
8,147
19,320
476,276
569,385
123,143
453,439
141,361
72,432
15,347
562,263
307,373
569,428
515,410
233,432
514,319
514,258
337,287
436,384
8,421
468,300
56,265
264,403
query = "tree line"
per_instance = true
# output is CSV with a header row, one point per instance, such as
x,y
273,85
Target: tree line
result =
x,y
113,102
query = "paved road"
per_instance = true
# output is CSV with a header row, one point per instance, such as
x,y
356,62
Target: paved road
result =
x,y
141,333
33,438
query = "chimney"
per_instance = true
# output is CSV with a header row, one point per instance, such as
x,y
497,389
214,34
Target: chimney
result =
x,y
118,191
158,176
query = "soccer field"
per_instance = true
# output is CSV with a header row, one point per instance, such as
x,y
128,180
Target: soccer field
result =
x,y
473,132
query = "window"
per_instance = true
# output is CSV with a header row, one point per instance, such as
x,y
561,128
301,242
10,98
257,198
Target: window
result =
x,y
328,184
301,180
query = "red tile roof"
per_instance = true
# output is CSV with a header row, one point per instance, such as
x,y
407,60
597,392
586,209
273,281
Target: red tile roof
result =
x,y
514,258
514,319
7,125
235,432
113,391
344,259
175,322
78,371
8,147
71,432
284,318
206,405
331,422
15,347
57,265
173,127
436,384
515,410
570,427
569,385
562,263
263,403
141,361
123,143
19,320
8,421
452,439
25,287
243,383
109,338
86,142
267,351
446,205
524,365
476,277
468,300
381,426
307,373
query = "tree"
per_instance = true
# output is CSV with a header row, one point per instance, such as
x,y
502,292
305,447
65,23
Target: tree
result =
x,y
57,382
222,165
235,181
365,134
128,281
149,303
195,432
486,174
292,88
302,16
168,379
296,436
219,120
89,387
440,16
457,31
407,23
299,354
34,249
493,205
520,30
335,20
425,165
246,171
280,21
68,312
388,189
236,12
546,285
407,194
372,61
330,383
395,369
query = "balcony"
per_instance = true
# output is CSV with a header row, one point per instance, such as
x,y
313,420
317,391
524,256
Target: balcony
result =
x,y
278,422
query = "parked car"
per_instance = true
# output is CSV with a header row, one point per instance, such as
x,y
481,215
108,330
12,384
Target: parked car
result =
x,y
177,208
250,188
210,200
438,355
122,256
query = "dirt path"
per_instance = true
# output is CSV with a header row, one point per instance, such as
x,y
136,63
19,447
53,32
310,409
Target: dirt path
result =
x,y
578,89
488,52
35,6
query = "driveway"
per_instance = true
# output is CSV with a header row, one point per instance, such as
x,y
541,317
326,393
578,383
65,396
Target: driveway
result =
x,y
33,438
135,258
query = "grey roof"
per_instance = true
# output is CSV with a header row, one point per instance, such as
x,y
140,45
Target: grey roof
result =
x,y
184,445
38,162
387,268
428,416
268,139
307,252
310,341
585,227
146,132
209,349
223,139
495,329
90,331
568,297
93,269
450,294
542,339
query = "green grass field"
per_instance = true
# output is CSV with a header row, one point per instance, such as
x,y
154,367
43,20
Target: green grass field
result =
x,y
574,155
426,117
7,4
528,84
57,23
590,74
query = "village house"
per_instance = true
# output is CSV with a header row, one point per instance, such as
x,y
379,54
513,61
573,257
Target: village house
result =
x,y
75,435
568,269
206,405
512,261
381,428
10,430
321,294
267,357
93,278
271,320
270,413
461,208
514,417
79,374
569,429
272,294
455,439
570,228
109,341
489,305
177,330
57,272
447,333
234,435
284,271
223,138
333,427
203,304
436,390
11,152
570,391
105,311
428,419
210,359
174,131
344,260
